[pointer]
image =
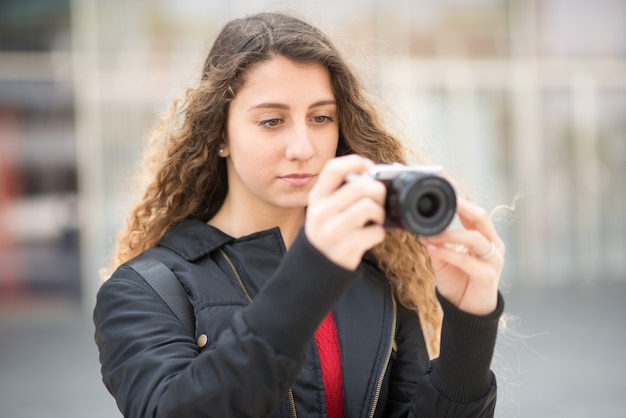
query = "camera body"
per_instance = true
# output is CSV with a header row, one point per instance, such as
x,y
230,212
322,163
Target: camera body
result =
x,y
418,198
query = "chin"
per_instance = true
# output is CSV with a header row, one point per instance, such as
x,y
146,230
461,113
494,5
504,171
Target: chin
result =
x,y
294,202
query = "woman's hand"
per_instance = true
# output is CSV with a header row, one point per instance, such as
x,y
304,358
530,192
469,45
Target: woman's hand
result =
x,y
468,262
344,219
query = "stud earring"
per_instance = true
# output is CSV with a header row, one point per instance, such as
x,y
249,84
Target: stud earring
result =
x,y
221,151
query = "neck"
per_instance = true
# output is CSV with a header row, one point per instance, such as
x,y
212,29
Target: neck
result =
x,y
238,221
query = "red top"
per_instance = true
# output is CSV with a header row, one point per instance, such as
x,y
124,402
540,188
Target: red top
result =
x,y
330,360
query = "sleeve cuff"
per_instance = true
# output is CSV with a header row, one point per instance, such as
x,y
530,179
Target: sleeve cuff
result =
x,y
462,370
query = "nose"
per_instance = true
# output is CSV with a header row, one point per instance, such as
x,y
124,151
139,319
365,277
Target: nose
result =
x,y
299,146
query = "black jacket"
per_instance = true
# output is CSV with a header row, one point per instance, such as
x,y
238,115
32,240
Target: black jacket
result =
x,y
259,306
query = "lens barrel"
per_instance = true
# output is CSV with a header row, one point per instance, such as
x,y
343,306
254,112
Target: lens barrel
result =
x,y
423,204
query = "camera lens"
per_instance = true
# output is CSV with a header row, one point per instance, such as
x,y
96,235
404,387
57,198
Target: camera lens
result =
x,y
428,205
423,204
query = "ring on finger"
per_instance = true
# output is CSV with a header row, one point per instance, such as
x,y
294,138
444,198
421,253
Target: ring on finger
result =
x,y
491,252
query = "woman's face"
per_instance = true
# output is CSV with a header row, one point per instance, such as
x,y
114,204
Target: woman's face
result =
x,y
282,128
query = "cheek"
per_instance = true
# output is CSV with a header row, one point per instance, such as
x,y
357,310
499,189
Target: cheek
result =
x,y
252,162
327,145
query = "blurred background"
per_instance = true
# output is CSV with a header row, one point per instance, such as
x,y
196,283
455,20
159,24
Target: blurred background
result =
x,y
524,101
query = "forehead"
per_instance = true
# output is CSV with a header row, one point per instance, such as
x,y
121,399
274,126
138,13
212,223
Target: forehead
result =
x,y
281,75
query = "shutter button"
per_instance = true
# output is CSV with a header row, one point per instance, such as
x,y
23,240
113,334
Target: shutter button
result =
x,y
202,340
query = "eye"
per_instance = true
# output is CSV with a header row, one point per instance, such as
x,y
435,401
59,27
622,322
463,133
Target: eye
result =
x,y
322,119
270,123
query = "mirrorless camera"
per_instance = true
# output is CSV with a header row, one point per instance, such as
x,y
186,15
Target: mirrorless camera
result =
x,y
418,199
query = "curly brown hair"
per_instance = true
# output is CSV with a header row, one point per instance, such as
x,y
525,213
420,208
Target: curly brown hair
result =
x,y
187,178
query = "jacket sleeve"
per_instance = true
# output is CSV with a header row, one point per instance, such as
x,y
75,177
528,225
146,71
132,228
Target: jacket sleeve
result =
x,y
459,382
153,367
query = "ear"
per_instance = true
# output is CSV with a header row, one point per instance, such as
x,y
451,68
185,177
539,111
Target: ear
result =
x,y
223,150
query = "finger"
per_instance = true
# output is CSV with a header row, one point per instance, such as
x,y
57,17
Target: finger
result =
x,y
351,192
344,237
469,264
370,236
363,213
347,195
475,217
334,174
471,239
477,294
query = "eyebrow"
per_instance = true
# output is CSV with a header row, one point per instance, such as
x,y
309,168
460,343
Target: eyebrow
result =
x,y
273,105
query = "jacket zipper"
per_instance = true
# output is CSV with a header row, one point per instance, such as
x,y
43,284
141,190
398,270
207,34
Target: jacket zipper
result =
x,y
292,402
389,349
239,279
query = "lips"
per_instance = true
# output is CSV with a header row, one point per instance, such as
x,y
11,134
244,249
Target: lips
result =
x,y
297,179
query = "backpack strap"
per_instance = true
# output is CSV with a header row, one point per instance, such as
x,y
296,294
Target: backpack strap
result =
x,y
167,286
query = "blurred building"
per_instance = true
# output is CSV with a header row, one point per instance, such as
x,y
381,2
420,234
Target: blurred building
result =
x,y
38,172
523,100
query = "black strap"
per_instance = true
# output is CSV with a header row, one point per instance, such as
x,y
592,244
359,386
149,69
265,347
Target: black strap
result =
x,y
166,284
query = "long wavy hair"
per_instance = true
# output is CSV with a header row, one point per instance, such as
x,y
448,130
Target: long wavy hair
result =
x,y
187,179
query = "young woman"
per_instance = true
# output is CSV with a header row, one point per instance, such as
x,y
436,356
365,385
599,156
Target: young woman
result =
x,y
304,305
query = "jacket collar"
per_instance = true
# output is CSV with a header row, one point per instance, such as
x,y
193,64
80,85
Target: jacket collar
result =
x,y
192,238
